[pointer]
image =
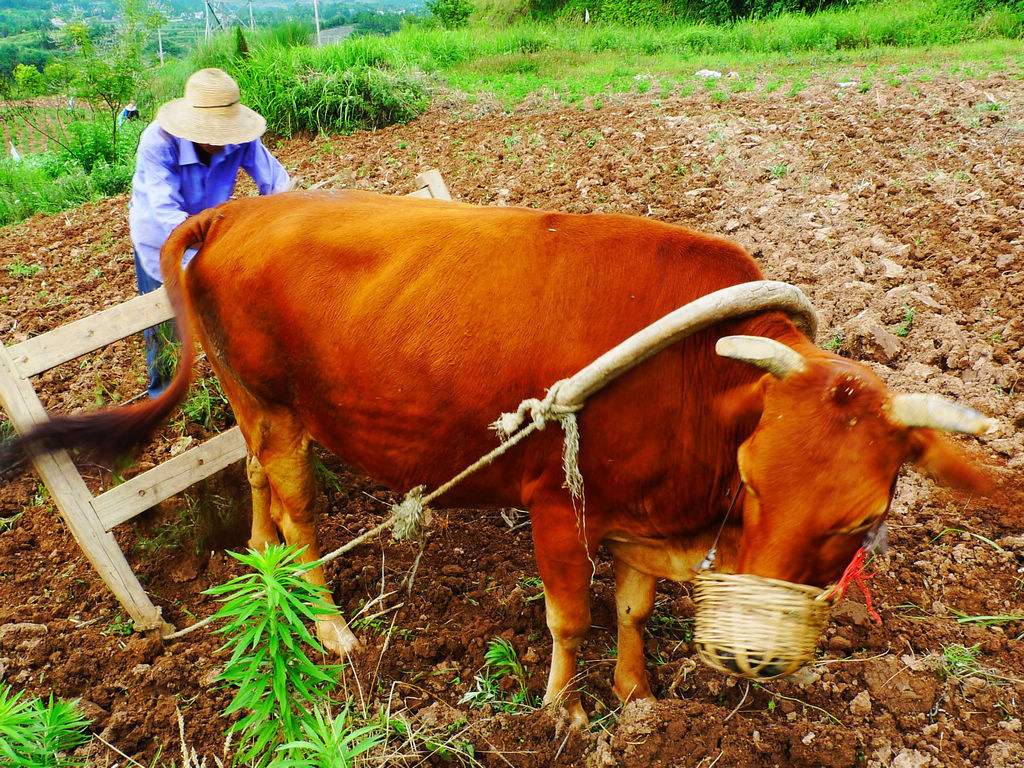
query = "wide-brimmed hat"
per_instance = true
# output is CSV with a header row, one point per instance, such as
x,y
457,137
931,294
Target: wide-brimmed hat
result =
x,y
211,112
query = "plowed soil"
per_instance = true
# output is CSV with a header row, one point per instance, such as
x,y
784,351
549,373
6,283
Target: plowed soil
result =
x,y
898,210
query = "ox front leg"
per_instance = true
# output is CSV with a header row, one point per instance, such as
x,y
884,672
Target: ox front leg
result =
x,y
565,566
634,602
293,509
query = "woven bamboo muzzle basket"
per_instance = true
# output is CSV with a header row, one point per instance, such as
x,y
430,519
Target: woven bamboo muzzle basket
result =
x,y
755,627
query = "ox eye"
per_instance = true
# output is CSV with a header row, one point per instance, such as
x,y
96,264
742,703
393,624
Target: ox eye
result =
x,y
864,527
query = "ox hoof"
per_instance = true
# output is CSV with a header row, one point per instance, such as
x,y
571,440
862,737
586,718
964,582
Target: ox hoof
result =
x,y
577,715
336,637
627,692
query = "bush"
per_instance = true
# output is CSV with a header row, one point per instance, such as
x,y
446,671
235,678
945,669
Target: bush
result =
x,y
111,179
450,13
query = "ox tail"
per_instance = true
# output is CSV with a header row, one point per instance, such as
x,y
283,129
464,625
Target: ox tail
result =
x,y
112,432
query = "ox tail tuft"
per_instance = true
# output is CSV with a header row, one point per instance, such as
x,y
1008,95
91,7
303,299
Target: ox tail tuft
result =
x,y
112,432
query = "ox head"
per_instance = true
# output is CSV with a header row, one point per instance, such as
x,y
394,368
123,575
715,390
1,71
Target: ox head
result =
x,y
821,466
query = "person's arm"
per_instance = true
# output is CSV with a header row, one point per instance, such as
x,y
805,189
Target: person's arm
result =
x,y
157,203
269,175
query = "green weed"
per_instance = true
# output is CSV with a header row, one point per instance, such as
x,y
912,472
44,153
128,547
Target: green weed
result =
x,y
276,683
903,329
779,170
328,742
206,405
500,662
8,523
834,343
39,734
120,626
326,478
960,661
988,621
191,527
978,536
17,269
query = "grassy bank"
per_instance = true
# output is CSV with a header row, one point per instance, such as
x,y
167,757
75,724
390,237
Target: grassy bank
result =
x,y
372,81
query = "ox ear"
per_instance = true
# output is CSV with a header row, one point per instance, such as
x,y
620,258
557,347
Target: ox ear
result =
x,y
947,463
742,405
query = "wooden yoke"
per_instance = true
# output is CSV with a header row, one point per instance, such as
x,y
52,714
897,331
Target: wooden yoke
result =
x,y
91,518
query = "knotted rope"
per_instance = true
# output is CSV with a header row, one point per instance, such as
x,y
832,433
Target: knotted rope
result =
x,y
410,515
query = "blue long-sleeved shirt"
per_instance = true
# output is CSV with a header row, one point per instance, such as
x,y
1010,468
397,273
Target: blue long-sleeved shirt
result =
x,y
171,183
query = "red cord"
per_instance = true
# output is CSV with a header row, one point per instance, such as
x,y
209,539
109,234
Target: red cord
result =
x,y
855,573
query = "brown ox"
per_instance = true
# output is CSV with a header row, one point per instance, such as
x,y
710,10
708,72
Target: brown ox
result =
x,y
392,331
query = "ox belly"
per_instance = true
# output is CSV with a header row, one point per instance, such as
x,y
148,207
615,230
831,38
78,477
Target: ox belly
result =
x,y
675,558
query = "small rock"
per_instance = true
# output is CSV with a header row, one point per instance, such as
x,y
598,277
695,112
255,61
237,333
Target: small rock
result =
x,y
12,633
708,74
808,738
861,704
805,676
1013,726
97,715
209,677
972,686
911,758
847,83
927,301
891,269
732,225
850,613
869,338
858,266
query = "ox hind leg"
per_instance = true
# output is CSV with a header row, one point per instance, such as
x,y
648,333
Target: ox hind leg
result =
x,y
634,602
284,489
566,565
264,532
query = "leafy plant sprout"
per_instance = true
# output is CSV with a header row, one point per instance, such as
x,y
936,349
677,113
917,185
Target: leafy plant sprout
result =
x,y
277,684
38,733
500,661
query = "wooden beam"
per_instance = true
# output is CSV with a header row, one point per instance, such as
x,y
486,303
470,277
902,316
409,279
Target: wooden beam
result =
x,y
433,180
123,502
48,350
71,496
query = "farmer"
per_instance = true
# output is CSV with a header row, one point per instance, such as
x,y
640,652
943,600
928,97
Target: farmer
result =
x,y
130,112
187,161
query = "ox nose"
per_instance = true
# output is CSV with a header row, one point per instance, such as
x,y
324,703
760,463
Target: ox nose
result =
x,y
763,671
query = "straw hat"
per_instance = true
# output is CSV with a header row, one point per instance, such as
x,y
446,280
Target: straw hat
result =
x,y
211,112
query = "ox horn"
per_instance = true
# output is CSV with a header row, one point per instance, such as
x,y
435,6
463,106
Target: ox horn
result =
x,y
934,412
776,358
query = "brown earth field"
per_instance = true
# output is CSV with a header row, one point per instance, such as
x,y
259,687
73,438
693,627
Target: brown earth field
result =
x,y
898,210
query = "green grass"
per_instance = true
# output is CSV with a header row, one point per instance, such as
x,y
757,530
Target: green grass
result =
x,y
62,178
369,81
206,405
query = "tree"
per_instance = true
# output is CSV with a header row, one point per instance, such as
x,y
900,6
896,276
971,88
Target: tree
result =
x,y
451,13
105,72
108,74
